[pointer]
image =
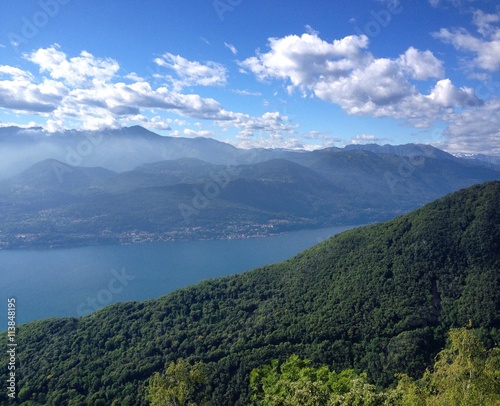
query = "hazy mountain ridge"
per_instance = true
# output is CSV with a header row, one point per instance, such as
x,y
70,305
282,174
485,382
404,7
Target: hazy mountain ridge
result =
x,y
491,159
118,150
56,204
129,147
379,298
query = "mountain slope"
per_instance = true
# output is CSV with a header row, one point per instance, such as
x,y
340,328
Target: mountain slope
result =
x,y
56,204
126,148
379,298
51,175
119,150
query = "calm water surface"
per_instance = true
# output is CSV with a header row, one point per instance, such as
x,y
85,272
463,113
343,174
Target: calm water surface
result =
x,y
76,281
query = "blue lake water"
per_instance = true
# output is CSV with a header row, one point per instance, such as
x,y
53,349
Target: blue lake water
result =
x,y
77,281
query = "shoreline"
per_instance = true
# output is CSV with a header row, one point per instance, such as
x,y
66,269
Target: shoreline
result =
x,y
161,237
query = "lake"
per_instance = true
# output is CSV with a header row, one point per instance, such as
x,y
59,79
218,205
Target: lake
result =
x,y
78,281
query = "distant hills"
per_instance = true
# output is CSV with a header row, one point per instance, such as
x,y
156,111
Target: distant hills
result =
x,y
492,159
379,298
132,185
127,148
119,150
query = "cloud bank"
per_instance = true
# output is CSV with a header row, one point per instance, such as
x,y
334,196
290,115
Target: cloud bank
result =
x,y
345,73
89,92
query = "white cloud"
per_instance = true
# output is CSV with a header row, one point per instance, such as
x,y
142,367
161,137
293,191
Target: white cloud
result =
x,y
134,77
270,123
77,71
15,73
124,99
325,139
19,91
454,3
345,73
192,73
53,126
272,141
187,132
485,47
303,60
153,123
231,47
362,139
26,126
246,92
421,65
447,95
95,98
485,22
476,131
206,41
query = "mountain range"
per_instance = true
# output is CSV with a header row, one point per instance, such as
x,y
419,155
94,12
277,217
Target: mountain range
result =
x,y
378,298
131,185
126,148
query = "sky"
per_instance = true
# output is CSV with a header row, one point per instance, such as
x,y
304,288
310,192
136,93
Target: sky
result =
x,y
258,73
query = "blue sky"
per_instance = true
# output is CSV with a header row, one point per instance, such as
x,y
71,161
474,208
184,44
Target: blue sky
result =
x,y
293,74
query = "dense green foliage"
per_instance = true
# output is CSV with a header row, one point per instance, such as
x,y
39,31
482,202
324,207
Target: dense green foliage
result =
x,y
177,386
297,383
378,299
465,374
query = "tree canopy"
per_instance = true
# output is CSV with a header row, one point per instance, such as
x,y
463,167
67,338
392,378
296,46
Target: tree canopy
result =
x,y
464,374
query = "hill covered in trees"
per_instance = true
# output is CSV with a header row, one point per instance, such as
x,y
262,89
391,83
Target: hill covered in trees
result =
x,y
379,299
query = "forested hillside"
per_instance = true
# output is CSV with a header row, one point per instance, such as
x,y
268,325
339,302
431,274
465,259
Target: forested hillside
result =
x,y
380,299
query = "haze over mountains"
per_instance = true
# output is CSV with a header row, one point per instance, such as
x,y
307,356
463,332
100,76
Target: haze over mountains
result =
x,y
131,185
126,148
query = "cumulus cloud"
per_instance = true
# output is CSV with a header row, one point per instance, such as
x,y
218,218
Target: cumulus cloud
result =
x,y
303,60
344,72
447,95
475,131
421,65
485,47
272,123
19,91
192,73
86,92
81,70
187,132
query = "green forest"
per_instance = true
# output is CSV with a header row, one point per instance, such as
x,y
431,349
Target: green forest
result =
x,y
367,310
465,373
